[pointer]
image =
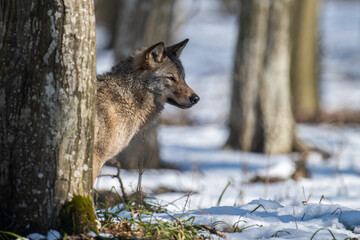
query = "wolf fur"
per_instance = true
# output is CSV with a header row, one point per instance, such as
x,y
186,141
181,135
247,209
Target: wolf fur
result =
x,y
133,94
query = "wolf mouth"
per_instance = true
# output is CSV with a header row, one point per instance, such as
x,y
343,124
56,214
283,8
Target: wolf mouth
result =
x,y
172,102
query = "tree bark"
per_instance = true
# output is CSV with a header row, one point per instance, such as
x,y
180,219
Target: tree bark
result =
x,y
304,60
47,89
142,23
261,119
106,14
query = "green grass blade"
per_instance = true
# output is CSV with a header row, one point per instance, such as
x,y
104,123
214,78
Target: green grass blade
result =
x,y
316,233
260,205
5,234
222,193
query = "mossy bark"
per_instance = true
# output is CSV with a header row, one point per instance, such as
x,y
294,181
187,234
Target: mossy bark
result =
x,y
77,216
47,93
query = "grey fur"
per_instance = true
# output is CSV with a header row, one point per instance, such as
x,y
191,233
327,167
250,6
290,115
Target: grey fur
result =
x,y
133,94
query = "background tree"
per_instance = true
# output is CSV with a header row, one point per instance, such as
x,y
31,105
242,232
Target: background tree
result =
x,y
106,14
261,119
304,60
141,23
47,76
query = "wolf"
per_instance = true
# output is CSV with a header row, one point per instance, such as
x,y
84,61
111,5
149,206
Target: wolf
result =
x,y
132,95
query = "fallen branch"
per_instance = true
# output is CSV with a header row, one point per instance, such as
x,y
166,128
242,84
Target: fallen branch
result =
x,y
211,230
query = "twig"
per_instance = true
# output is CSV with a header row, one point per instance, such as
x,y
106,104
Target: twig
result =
x,y
117,175
141,168
301,146
211,230
187,200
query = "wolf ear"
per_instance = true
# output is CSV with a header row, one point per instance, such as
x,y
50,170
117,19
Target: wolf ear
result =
x,y
153,55
176,49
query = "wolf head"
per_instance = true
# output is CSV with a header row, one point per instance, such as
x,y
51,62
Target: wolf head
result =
x,y
164,74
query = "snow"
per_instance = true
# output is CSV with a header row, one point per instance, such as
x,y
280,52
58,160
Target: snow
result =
x,y
340,36
287,222
51,235
322,206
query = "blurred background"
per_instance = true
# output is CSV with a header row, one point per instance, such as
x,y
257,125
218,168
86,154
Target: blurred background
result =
x,y
279,83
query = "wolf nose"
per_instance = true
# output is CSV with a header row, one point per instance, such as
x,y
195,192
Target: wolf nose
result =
x,y
194,99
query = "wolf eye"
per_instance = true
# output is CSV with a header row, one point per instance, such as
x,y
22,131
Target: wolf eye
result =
x,y
171,79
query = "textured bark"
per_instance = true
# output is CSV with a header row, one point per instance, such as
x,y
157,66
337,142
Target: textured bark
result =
x,y
261,119
106,14
304,60
47,51
142,23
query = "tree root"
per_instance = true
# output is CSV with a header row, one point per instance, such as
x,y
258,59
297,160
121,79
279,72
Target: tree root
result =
x,y
304,149
301,146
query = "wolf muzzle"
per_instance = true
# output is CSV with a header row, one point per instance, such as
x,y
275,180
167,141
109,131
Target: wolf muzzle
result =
x,y
194,99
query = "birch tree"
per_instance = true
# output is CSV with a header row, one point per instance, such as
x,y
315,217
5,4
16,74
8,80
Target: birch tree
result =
x,y
47,85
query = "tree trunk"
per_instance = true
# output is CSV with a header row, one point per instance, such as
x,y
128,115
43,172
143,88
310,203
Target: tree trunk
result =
x,y
47,79
142,152
304,60
142,23
106,14
261,118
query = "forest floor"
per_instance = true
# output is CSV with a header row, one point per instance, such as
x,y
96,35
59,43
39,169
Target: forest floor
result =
x,y
234,191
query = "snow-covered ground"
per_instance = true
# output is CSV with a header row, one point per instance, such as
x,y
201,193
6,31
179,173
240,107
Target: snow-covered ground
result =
x,y
206,169
328,201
